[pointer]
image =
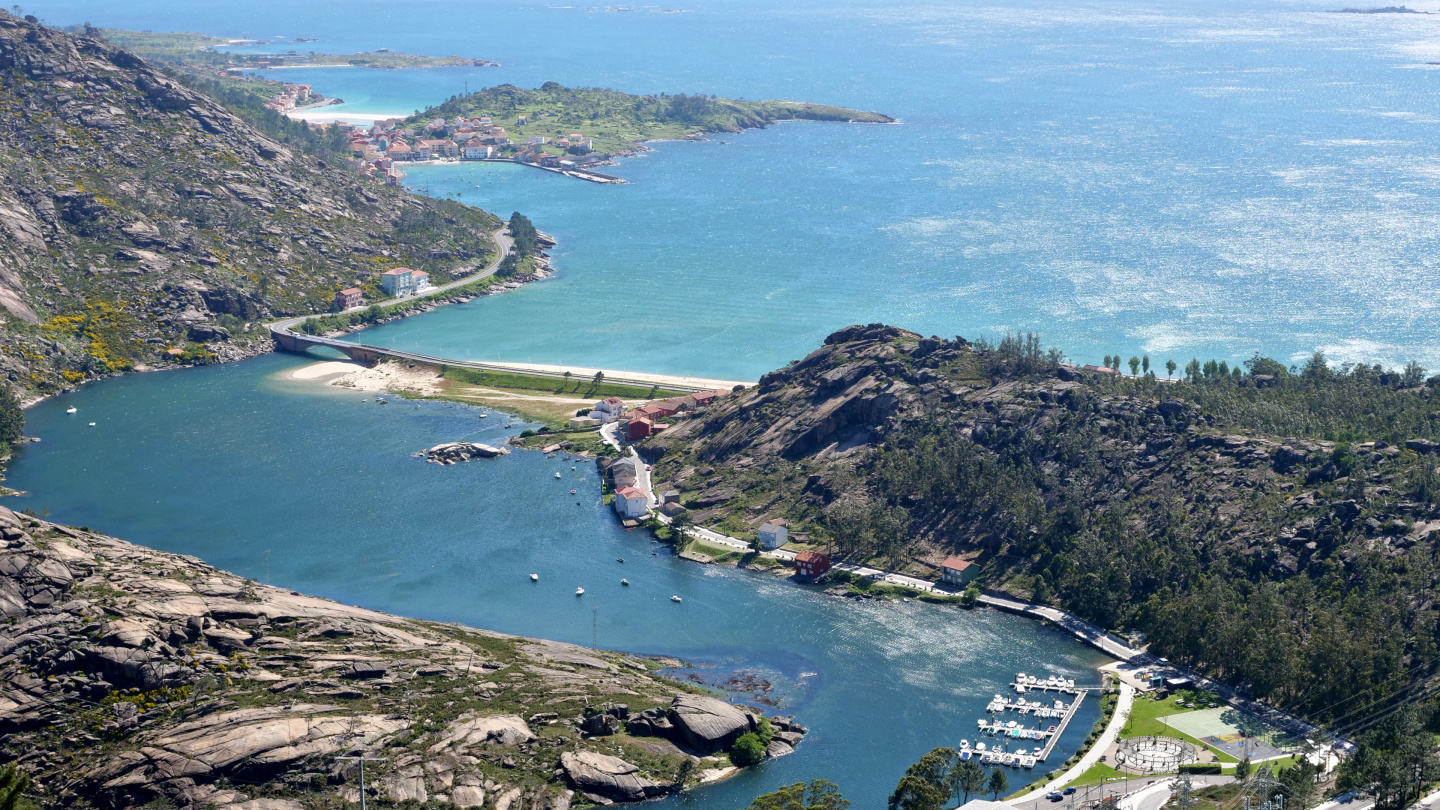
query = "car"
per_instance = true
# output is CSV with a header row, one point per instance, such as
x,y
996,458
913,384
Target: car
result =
x,y
1102,757
1345,798
1054,796
1069,791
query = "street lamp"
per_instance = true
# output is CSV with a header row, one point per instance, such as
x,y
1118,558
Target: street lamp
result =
x,y
362,759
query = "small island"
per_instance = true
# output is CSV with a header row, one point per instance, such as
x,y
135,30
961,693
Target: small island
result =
x,y
192,48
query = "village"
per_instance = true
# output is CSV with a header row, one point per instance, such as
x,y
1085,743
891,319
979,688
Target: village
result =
x,y
378,150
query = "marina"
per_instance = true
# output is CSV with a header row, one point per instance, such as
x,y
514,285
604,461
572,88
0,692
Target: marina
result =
x,y
1008,732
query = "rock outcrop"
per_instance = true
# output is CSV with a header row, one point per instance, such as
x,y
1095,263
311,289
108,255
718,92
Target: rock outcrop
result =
x,y
707,725
139,215
130,676
452,452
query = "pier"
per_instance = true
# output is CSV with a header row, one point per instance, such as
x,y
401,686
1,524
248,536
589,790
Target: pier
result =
x,y
1062,714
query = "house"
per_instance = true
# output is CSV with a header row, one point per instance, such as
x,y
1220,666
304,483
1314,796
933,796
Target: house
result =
x,y
397,282
774,534
346,299
1101,370
608,410
670,496
638,428
474,150
653,411
631,502
958,572
622,473
419,280
583,421
671,508
397,150
811,564
443,147
420,152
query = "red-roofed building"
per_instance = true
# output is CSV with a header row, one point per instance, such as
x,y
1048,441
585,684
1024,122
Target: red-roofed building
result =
x,y
811,564
637,429
631,502
346,299
955,571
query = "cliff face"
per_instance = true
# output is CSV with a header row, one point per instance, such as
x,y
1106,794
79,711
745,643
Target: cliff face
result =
x,y
1276,561
129,675
139,216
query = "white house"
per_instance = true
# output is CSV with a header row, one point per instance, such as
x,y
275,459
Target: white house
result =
x,y
608,410
474,150
398,282
773,534
631,502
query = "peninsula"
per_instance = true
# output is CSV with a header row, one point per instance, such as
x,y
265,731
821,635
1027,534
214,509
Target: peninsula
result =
x,y
130,676
586,126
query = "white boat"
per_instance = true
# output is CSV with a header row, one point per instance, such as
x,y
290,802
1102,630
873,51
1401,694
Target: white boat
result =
x,y
557,475
534,577
965,754
579,591
987,758
92,424
979,746
71,409
674,599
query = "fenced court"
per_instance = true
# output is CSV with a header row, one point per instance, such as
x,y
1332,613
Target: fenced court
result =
x,y
1234,732
1155,754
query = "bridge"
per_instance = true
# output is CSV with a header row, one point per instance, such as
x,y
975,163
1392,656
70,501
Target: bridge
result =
x,y
288,339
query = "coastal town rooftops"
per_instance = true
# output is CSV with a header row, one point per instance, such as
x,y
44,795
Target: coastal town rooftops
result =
x,y
630,492
399,271
350,291
956,564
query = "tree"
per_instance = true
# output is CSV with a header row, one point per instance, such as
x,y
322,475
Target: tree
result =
x,y
999,783
12,416
687,766
1264,365
818,795
748,750
566,383
1298,783
1414,374
965,778
1135,366
1392,761
1192,369
13,782
934,768
1169,369
1115,362
914,793
1107,361
1145,363
1242,769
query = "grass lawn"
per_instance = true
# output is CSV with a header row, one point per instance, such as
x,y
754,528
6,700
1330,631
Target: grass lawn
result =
x,y
1145,720
583,388
722,554
1098,774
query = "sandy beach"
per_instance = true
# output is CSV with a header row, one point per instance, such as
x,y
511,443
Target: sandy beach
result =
x,y
384,377
638,376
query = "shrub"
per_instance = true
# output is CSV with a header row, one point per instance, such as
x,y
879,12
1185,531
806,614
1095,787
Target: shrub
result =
x,y
12,417
1200,768
748,750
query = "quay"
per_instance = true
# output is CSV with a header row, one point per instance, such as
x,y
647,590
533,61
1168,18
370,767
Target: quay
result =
x,y
1064,721
1008,732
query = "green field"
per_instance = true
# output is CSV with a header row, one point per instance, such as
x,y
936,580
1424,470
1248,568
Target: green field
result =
x,y
1145,720
583,387
620,121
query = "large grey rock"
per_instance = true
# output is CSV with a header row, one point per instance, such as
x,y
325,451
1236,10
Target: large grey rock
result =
x,y
468,796
707,725
607,776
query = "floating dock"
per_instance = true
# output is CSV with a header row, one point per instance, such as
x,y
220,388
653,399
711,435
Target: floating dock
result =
x,y
999,729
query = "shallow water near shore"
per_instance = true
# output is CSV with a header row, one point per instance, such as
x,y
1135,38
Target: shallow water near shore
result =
x,y
228,462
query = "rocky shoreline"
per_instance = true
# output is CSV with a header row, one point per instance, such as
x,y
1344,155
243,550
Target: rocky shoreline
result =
x,y
129,676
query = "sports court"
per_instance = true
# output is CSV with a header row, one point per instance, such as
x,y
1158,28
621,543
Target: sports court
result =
x,y
1218,729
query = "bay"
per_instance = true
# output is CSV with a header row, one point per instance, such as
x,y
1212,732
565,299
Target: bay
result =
x,y
316,488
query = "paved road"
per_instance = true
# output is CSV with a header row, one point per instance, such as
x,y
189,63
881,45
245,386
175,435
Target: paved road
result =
x,y
502,241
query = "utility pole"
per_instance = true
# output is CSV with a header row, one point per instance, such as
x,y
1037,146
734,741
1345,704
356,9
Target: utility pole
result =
x,y
362,759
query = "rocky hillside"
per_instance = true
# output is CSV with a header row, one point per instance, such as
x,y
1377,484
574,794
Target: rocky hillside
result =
x,y
1277,529
139,216
130,677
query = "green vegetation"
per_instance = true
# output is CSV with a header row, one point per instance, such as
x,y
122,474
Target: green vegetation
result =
x,y
1212,514
1395,760
585,388
620,121
747,750
13,784
12,418
817,795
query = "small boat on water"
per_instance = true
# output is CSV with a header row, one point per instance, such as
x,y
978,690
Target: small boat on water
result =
x,y
620,559
572,492
579,591
674,599
965,754
71,409
92,424
534,577
625,582
557,475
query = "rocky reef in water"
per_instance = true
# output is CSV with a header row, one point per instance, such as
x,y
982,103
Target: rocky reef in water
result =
x,y
130,676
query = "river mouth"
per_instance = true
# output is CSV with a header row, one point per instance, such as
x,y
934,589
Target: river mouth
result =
x,y
316,488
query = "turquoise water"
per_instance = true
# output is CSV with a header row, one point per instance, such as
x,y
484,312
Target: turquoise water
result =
x,y
230,462
1179,179
1176,179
